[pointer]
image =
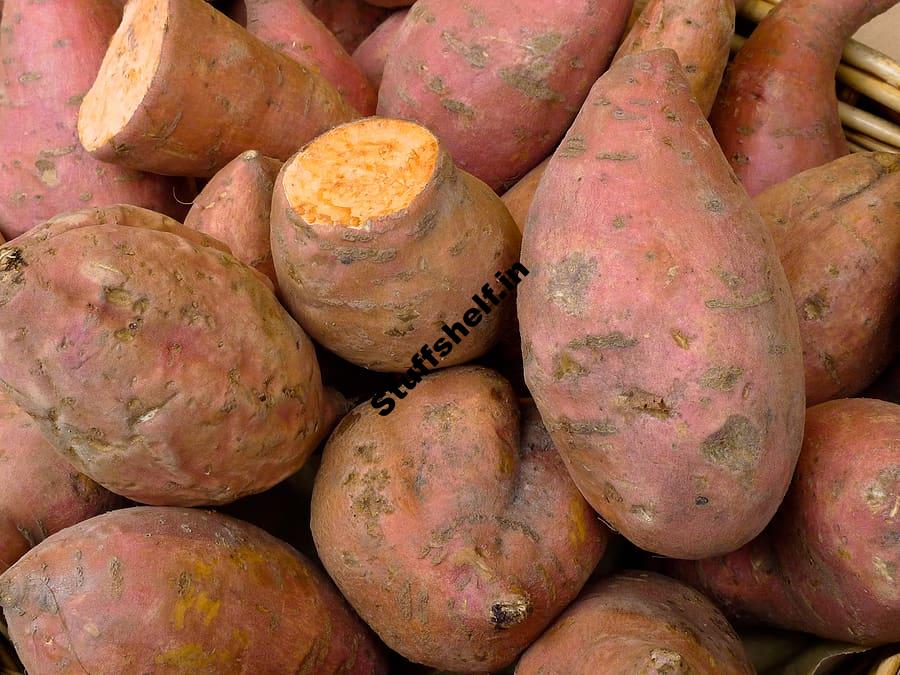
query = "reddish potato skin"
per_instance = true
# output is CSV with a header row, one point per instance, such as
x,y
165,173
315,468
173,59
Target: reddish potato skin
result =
x,y
638,622
260,99
508,75
169,590
235,206
40,493
372,52
455,532
659,337
51,52
837,229
519,197
289,27
700,33
202,388
376,294
351,21
776,113
827,564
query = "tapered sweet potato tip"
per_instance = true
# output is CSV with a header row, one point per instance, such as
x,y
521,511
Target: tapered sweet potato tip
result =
x,y
361,171
125,75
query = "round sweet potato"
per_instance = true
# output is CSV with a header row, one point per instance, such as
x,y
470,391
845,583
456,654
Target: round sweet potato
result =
x,y
40,492
163,369
638,622
451,526
167,590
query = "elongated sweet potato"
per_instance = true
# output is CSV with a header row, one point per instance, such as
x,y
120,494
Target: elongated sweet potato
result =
x,y
146,110
508,75
49,55
235,207
40,492
452,526
638,622
168,590
380,241
828,563
289,27
700,33
372,52
837,229
351,21
163,369
658,332
776,114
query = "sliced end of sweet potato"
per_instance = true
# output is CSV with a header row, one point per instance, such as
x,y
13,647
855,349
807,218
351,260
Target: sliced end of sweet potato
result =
x,y
361,171
126,73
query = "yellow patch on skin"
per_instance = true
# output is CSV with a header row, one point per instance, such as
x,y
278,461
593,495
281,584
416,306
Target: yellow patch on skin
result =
x,y
507,461
578,533
201,603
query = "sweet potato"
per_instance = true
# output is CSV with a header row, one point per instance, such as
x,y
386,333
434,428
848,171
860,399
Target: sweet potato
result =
x,y
700,33
828,563
163,369
659,336
49,54
289,27
451,525
372,52
638,622
147,111
351,21
40,493
837,229
167,590
235,206
503,75
776,114
380,241
391,4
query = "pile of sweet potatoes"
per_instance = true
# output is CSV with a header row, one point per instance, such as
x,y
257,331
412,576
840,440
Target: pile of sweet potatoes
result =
x,y
469,302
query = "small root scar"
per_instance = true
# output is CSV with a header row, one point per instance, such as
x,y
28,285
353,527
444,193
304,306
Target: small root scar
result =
x,y
508,613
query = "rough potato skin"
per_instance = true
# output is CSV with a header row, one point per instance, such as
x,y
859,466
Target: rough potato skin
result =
x,y
40,493
169,590
776,113
253,97
700,33
827,564
163,369
351,21
659,336
508,75
291,28
837,229
235,207
638,622
376,294
49,54
372,52
451,525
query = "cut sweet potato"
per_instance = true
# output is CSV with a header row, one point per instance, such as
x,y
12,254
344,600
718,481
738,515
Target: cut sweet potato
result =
x,y
50,53
146,111
379,239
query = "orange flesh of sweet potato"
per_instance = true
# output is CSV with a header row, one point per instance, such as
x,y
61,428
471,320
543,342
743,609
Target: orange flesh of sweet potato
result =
x,y
378,240
49,55
160,121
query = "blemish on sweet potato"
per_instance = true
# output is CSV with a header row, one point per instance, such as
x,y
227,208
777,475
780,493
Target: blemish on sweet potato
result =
x,y
722,378
569,281
644,402
735,445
